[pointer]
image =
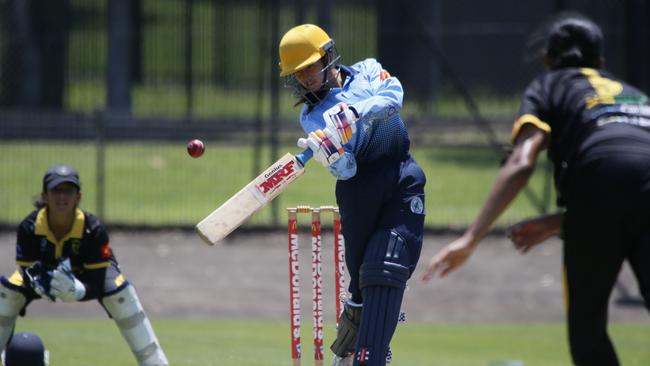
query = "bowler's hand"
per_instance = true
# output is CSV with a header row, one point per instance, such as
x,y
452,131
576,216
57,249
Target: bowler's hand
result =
x,y
528,233
448,259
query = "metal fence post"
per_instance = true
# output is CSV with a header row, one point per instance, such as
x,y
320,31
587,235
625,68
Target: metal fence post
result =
x,y
275,102
100,166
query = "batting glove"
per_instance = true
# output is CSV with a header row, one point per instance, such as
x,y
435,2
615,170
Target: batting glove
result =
x,y
65,285
325,144
341,119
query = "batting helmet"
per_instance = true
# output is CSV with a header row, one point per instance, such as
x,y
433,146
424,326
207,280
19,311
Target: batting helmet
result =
x,y
25,349
573,41
302,46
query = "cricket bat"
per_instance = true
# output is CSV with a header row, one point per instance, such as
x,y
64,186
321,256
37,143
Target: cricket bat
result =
x,y
250,199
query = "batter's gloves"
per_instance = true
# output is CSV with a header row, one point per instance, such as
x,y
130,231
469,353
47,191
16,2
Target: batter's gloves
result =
x,y
325,144
346,333
341,118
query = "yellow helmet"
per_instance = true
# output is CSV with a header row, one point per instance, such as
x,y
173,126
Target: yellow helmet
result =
x,y
301,46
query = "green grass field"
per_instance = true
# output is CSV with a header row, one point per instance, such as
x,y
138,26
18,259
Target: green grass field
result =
x,y
157,183
243,343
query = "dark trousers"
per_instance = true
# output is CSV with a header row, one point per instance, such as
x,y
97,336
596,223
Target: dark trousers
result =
x,y
381,197
607,222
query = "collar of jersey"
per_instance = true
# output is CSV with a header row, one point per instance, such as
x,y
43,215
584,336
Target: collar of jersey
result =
x,y
42,228
349,75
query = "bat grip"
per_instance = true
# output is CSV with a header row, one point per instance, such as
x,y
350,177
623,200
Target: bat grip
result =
x,y
304,156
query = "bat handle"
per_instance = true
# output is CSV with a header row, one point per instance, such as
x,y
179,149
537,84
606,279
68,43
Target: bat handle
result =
x,y
304,156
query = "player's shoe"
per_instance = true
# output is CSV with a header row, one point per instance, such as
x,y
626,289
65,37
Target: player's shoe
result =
x,y
343,361
347,361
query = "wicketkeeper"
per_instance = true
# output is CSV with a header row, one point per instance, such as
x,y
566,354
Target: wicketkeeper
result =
x,y
63,253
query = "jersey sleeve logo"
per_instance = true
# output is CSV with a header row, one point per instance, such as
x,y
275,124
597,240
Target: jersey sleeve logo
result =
x,y
417,206
105,250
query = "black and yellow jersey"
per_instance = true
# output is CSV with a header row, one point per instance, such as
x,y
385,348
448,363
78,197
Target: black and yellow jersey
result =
x,y
586,113
86,244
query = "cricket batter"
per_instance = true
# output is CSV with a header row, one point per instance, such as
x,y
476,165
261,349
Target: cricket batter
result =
x,y
351,116
597,131
63,253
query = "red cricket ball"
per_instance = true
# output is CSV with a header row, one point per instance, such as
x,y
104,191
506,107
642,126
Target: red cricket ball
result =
x,y
195,148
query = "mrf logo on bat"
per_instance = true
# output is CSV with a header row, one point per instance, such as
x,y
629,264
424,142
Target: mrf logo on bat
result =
x,y
276,177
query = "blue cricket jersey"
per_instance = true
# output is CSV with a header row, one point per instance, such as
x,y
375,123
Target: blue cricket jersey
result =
x,y
377,99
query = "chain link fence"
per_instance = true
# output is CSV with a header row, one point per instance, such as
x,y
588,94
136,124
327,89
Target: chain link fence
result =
x,y
116,88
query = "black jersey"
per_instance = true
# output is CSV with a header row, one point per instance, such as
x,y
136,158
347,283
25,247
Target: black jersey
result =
x,y
87,244
587,113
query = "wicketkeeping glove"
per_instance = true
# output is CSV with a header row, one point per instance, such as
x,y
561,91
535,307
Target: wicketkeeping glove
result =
x,y
39,280
65,285
341,119
325,144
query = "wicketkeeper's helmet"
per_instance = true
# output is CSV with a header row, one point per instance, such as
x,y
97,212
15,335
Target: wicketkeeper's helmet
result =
x,y
302,46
